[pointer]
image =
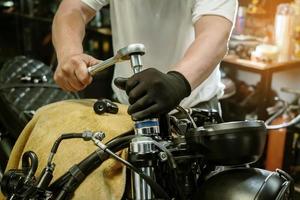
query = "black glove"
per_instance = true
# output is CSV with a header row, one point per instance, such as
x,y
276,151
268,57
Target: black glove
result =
x,y
152,92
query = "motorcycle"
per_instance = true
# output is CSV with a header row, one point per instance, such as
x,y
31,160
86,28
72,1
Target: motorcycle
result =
x,y
192,154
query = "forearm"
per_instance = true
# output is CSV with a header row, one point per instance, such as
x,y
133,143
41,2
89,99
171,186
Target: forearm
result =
x,y
68,29
206,51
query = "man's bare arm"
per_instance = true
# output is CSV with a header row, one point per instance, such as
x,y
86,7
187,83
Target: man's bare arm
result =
x,y
69,27
68,32
207,50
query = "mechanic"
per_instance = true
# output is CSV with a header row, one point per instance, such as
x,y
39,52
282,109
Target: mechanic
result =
x,y
185,41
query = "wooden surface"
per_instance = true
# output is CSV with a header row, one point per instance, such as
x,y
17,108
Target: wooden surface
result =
x,y
259,66
265,70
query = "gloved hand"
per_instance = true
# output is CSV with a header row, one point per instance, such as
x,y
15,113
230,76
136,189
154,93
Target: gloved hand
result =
x,y
152,92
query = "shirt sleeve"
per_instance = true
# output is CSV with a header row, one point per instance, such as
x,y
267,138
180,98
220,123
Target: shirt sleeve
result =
x,y
224,8
95,4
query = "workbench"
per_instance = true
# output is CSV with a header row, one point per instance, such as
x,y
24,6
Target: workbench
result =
x,y
265,70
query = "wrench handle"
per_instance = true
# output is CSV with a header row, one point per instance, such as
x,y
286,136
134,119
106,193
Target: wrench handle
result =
x,y
95,69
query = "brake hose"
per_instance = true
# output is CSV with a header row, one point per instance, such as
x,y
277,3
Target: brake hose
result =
x,y
94,160
77,173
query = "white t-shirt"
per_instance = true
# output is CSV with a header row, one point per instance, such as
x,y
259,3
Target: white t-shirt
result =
x,y
166,29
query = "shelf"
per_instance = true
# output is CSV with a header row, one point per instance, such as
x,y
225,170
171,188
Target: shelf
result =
x,y
26,16
266,71
249,65
100,30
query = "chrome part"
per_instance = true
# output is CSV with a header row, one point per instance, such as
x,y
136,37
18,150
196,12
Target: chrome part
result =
x,y
136,63
135,50
140,189
99,135
148,127
163,156
294,121
142,145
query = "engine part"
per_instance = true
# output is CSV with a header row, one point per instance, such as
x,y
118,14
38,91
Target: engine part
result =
x,y
230,143
105,106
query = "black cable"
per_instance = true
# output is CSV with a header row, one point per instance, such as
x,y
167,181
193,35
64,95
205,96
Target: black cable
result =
x,y
171,160
159,192
121,136
58,141
84,170
157,188
172,165
29,164
63,137
75,179
93,161
115,144
181,109
174,127
154,185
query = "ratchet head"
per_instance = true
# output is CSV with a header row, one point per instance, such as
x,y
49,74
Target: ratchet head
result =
x,y
126,52
130,52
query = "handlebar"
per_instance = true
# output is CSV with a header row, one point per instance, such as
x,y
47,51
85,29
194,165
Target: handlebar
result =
x,y
294,121
285,107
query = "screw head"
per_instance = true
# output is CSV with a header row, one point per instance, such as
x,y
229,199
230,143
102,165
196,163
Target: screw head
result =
x,y
163,156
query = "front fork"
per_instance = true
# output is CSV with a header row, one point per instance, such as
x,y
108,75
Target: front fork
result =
x,y
142,151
